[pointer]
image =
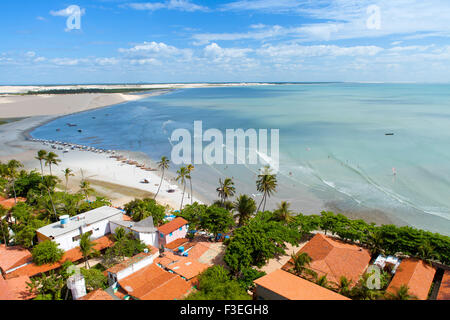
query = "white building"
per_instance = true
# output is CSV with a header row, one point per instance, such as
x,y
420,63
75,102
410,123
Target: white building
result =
x,y
67,233
132,265
143,230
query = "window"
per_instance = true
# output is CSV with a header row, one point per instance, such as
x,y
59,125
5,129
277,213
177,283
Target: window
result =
x,y
171,234
181,228
161,235
76,238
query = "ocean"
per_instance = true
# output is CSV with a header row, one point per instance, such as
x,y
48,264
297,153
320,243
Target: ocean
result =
x,y
334,151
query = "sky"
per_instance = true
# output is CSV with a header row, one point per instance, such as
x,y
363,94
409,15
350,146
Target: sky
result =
x,y
163,41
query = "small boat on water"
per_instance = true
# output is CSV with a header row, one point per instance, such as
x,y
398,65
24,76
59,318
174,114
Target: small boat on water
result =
x,y
389,134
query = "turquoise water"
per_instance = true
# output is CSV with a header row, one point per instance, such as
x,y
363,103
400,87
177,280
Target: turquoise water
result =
x,y
333,147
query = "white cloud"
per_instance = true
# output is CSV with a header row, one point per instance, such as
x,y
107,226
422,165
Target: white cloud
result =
x,y
67,12
181,5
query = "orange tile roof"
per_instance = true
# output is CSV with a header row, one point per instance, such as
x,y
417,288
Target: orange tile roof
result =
x,y
98,294
125,264
126,218
172,225
198,250
13,257
15,289
292,287
444,290
5,293
19,288
1,198
73,255
416,274
167,259
153,283
335,258
188,268
9,203
177,243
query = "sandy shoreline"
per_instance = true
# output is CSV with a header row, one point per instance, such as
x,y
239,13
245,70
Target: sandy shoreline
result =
x,y
119,182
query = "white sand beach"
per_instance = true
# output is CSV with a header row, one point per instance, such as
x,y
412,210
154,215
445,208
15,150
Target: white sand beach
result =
x,y
118,181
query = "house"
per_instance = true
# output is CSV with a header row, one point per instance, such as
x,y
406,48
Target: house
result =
x,y
173,230
15,289
12,258
67,233
132,265
389,263
9,203
187,268
334,258
31,269
416,274
98,294
154,283
143,230
444,289
282,285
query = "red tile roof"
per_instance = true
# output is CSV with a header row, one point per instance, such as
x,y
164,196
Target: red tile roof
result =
x,y
73,255
167,259
444,289
172,225
13,257
15,289
98,294
9,203
5,293
177,243
153,283
292,287
187,267
198,250
416,274
335,258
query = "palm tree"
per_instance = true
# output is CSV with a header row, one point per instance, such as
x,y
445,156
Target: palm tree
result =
x,y
426,252
344,286
226,189
86,247
183,174
283,213
401,293
375,241
48,183
267,184
11,174
245,206
301,262
323,281
68,173
162,165
85,187
41,157
51,158
190,168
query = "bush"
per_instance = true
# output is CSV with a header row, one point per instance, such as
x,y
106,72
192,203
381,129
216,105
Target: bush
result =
x,y
46,252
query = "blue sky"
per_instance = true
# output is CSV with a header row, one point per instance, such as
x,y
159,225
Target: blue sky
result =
x,y
223,41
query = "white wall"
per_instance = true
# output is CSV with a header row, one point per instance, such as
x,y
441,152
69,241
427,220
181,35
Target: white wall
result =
x,y
136,266
99,229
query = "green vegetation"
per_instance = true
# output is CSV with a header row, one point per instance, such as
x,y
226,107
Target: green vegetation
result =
x,y
216,283
125,246
94,278
142,209
213,219
46,252
163,165
261,239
